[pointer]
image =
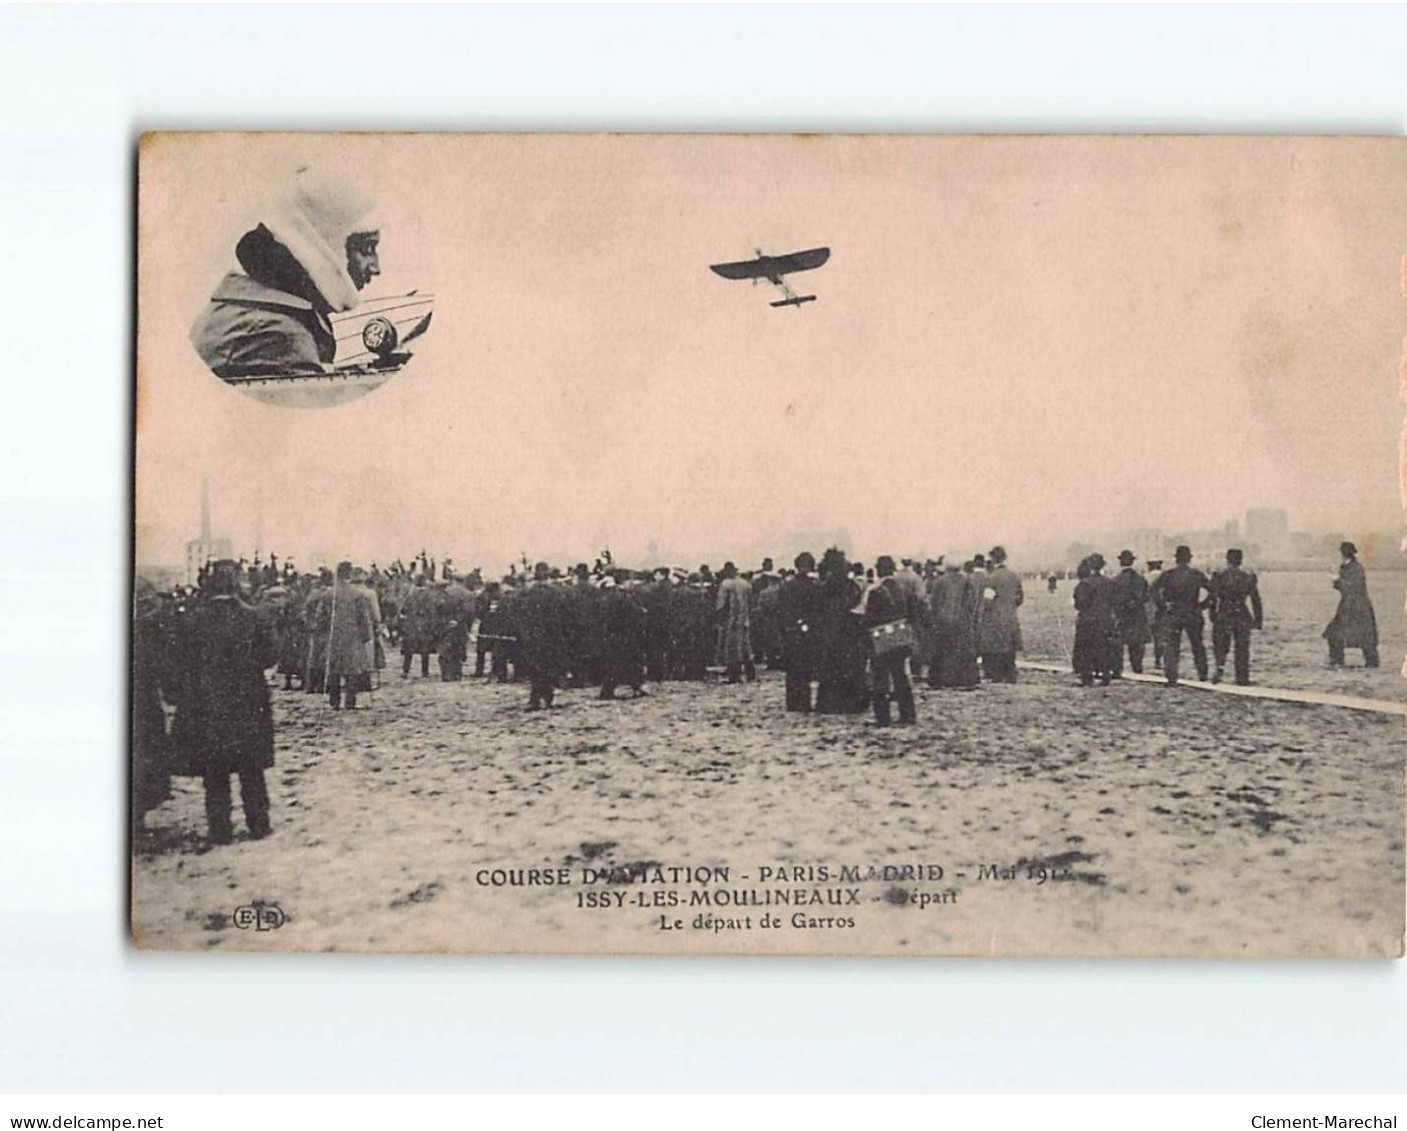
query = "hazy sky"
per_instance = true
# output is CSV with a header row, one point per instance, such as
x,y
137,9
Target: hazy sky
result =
x,y
1016,339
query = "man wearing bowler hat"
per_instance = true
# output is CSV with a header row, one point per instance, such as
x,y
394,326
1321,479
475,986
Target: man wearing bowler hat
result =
x,y
1131,614
224,722
799,617
1178,593
999,628
1354,624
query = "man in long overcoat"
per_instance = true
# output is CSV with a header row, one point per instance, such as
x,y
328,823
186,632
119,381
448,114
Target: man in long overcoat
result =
x,y
583,628
1097,648
954,601
841,643
351,629
734,608
487,611
623,637
1156,620
315,618
418,626
224,722
799,623
292,632
654,597
1131,614
766,630
456,616
151,672
999,630
690,629
1354,624
537,615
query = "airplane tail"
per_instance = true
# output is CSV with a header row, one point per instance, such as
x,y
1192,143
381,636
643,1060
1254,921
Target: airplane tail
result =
x,y
794,300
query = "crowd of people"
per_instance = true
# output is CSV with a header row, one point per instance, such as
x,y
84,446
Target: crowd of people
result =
x,y
850,639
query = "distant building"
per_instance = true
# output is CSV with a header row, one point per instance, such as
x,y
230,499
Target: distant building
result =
x,y
1147,545
784,549
1303,544
206,548
1208,553
1208,547
1268,529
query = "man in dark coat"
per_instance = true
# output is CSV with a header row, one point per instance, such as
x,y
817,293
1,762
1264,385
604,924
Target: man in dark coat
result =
x,y
733,605
151,672
1354,624
1178,593
766,629
654,597
798,619
1130,595
1156,621
841,643
885,603
623,626
690,629
315,619
999,629
352,619
1096,651
292,633
954,601
583,628
508,657
538,618
1235,610
456,614
224,720
487,612
418,626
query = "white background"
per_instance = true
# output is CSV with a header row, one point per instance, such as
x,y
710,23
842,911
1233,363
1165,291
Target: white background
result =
x,y
82,1011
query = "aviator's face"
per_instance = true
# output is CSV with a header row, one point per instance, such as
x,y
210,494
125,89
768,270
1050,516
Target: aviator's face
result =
x,y
363,258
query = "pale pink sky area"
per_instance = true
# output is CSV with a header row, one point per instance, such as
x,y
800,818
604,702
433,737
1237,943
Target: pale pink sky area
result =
x,y
1016,339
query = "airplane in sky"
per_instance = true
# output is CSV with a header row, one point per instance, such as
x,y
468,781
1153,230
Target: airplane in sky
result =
x,y
773,267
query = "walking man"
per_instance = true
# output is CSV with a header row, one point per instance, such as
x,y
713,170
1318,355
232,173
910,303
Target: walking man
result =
x,y
1354,624
1232,619
1178,593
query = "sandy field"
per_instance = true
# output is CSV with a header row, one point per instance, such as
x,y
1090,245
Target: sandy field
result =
x,y
1040,818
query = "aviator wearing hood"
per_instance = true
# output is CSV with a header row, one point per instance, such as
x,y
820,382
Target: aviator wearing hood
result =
x,y
306,261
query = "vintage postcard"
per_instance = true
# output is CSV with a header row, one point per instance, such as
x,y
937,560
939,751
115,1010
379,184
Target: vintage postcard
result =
x,y
883,545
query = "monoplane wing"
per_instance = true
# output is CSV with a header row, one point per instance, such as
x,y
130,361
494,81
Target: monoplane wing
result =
x,y
744,269
807,260
773,267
